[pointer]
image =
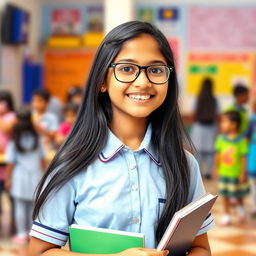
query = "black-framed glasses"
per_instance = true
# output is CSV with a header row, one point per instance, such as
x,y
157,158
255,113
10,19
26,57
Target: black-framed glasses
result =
x,y
129,72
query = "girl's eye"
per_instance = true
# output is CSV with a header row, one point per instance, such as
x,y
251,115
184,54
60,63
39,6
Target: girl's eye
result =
x,y
156,70
126,69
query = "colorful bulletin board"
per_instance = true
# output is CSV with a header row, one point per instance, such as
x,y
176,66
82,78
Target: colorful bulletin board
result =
x,y
64,69
226,69
222,28
175,46
228,35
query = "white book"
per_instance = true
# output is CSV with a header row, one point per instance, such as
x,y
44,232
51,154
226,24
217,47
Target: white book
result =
x,y
185,224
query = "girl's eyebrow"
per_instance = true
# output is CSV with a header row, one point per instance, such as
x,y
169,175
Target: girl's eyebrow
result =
x,y
134,61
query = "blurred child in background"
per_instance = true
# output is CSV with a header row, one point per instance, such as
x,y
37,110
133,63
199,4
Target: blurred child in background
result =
x,y
251,164
70,112
25,165
204,129
46,123
75,95
7,120
241,96
230,164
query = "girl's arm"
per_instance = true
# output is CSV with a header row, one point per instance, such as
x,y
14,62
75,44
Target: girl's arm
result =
x,y
44,164
200,246
243,167
215,165
6,127
38,247
9,170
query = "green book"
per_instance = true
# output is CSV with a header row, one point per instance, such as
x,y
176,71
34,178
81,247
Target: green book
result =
x,y
85,239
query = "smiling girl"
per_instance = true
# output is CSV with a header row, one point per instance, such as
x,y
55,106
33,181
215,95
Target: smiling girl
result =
x,y
123,165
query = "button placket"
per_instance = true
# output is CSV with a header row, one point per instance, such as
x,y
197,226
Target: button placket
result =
x,y
134,190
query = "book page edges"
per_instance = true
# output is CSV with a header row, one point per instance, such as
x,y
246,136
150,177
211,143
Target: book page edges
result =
x,y
105,230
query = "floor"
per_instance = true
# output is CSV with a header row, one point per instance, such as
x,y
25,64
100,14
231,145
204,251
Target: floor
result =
x,y
236,239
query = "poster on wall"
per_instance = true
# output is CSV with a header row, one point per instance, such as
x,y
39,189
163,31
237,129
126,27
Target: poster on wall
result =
x,y
65,21
222,28
226,69
64,69
168,20
95,19
146,15
175,46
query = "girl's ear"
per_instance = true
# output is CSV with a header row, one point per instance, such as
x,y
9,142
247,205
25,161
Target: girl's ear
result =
x,y
103,88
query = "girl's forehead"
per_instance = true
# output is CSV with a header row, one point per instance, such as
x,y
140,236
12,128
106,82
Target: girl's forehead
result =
x,y
142,48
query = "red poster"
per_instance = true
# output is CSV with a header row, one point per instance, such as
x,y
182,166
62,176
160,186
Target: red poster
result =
x,y
66,22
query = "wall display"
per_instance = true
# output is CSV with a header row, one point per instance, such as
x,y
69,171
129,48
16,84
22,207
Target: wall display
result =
x,y
65,21
95,19
222,28
226,69
168,20
146,14
175,46
71,19
64,69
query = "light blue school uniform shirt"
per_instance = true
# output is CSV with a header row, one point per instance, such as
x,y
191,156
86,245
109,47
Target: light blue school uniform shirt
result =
x,y
27,170
121,190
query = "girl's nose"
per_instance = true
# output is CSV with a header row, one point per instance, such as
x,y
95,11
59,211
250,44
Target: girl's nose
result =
x,y
142,80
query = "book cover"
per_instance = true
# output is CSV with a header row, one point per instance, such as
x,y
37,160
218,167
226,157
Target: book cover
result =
x,y
185,224
85,239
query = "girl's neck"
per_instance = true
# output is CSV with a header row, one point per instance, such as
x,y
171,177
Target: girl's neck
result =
x,y
129,130
232,135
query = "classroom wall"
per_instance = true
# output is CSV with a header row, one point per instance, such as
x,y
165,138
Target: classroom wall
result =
x,y
199,51
16,54
13,56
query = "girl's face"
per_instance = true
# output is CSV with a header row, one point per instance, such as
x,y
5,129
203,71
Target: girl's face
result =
x,y
140,97
70,116
3,107
226,125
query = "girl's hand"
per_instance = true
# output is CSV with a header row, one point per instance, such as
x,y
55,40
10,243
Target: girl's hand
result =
x,y
243,178
143,252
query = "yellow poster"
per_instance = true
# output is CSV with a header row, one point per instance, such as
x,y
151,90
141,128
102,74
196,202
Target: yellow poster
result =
x,y
226,69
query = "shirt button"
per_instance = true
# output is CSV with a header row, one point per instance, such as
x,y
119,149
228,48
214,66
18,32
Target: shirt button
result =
x,y
134,187
132,167
135,220
125,149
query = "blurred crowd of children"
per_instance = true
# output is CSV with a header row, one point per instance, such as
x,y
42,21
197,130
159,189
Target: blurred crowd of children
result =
x,y
28,137
226,147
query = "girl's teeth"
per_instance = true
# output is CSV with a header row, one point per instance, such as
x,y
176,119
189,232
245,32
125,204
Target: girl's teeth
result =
x,y
139,97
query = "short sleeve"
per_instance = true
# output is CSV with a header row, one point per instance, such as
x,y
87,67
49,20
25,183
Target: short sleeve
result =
x,y
244,147
10,153
53,124
55,216
217,145
42,152
197,190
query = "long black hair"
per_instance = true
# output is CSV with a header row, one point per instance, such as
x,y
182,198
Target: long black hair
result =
x,y
7,97
206,106
89,133
24,126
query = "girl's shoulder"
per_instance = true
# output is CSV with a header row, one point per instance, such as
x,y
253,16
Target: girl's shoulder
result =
x,y
192,163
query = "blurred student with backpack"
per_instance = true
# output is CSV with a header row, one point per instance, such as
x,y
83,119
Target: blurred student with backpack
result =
x,y
25,165
204,129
